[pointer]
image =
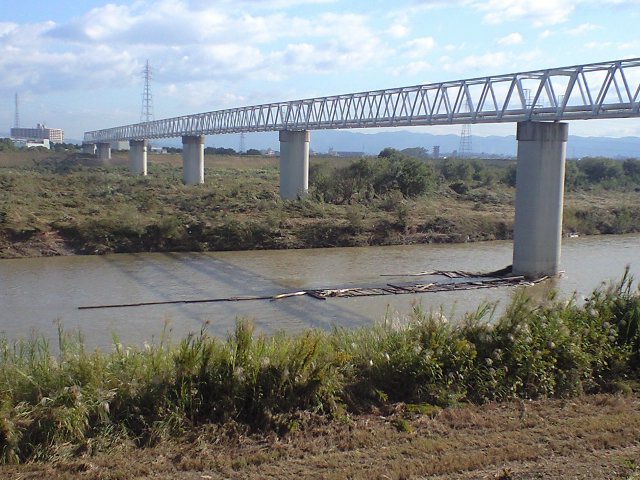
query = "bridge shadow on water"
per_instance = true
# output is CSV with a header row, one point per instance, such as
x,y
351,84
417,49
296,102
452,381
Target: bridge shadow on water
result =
x,y
198,276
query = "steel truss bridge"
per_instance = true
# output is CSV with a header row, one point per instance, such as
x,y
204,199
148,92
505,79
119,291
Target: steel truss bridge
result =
x,y
592,91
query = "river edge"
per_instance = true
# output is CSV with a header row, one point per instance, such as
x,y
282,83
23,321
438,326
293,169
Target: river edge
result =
x,y
62,205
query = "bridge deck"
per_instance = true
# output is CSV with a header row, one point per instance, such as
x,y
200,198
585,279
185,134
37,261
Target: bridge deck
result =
x,y
582,92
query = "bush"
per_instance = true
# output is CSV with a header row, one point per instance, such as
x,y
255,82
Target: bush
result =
x,y
366,178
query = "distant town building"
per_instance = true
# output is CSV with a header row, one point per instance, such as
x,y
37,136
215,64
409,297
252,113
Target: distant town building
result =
x,y
436,151
41,132
23,143
335,153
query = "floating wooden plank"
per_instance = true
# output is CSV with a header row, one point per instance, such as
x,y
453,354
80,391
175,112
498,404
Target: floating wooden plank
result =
x,y
287,295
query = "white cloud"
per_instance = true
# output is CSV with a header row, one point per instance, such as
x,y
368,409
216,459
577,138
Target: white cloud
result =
x,y
582,28
538,12
185,41
399,22
412,68
419,47
490,62
511,39
546,34
398,30
597,45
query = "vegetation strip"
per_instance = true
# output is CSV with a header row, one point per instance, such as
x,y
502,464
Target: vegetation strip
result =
x,y
67,403
69,203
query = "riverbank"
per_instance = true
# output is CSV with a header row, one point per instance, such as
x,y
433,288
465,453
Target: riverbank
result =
x,y
590,437
68,204
550,388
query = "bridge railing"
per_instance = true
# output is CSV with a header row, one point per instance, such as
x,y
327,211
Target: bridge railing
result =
x,y
598,90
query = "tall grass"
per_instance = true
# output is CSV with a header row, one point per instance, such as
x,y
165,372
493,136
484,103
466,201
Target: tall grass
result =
x,y
54,405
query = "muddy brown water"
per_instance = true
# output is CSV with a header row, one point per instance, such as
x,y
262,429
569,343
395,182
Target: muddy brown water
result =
x,y
36,294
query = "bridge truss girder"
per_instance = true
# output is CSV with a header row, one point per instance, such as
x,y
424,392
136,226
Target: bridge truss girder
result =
x,y
582,92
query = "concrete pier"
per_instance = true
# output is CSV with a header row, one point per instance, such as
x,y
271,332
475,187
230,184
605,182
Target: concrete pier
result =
x,y
294,164
193,159
138,156
539,197
89,148
103,151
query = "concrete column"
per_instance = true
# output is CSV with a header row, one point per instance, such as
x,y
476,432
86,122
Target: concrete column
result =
x,y
537,233
89,148
193,159
104,151
294,164
138,156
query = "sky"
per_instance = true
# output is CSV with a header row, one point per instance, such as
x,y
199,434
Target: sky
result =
x,y
77,65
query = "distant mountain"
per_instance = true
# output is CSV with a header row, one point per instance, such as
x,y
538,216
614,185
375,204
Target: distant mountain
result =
x,y
372,143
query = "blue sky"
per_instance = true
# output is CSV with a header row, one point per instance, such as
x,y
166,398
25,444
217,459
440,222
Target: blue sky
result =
x,y
77,65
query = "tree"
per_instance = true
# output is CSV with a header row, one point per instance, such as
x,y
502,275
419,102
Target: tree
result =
x,y
597,169
456,170
631,168
6,145
417,152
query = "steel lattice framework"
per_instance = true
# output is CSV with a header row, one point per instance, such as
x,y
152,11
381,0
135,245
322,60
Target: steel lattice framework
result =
x,y
582,92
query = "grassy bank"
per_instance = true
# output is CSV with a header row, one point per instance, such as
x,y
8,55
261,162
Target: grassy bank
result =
x,y
60,204
81,402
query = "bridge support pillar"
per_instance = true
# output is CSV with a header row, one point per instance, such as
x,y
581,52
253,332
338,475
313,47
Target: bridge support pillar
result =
x,y
103,151
537,233
138,156
89,148
193,159
294,164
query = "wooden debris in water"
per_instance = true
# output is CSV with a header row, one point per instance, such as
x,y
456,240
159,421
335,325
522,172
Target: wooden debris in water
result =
x,y
478,282
394,289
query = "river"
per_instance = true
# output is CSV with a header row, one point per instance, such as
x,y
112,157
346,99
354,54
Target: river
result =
x,y
36,294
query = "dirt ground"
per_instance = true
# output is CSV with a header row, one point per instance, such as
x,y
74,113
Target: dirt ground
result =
x,y
593,437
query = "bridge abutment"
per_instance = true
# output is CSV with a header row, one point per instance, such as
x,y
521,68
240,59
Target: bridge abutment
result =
x,y
539,197
294,164
193,159
103,150
138,156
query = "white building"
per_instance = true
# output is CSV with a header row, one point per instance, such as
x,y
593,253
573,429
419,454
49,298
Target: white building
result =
x,y
32,143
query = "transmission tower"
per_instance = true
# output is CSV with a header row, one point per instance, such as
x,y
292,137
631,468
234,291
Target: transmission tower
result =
x,y
17,122
465,141
146,114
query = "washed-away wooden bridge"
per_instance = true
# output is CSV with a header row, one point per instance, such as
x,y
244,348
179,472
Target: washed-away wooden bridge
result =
x,y
457,280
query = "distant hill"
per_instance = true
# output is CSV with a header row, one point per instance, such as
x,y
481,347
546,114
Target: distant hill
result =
x,y
372,143
342,140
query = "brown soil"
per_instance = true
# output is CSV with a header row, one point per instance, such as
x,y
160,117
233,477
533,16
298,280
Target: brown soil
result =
x,y
42,244
593,437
